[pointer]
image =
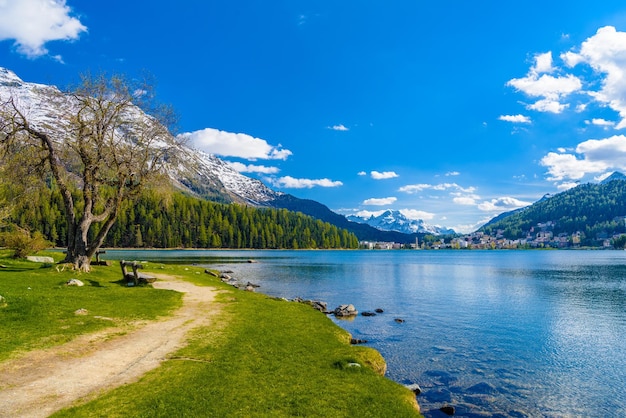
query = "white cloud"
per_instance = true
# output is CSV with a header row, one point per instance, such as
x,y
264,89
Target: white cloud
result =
x,y
602,122
567,166
605,52
543,63
384,175
361,173
452,173
58,58
546,85
380,201
548,88
502,204
548,105
611,150
596,156
417,214
33,23
289,182
416,188
339,127
567,185
571,59
464,200
250,168
515,118
214,141
454,186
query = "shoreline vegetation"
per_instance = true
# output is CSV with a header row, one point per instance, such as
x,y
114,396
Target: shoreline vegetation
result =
x,y
260,356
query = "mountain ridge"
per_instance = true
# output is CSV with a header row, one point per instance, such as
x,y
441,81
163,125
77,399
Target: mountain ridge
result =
x,y
591,209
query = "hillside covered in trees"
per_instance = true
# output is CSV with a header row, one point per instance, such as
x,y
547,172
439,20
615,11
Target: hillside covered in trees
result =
x,y
175,220
592,209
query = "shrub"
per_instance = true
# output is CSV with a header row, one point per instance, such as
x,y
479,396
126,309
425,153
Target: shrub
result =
x,y
22,242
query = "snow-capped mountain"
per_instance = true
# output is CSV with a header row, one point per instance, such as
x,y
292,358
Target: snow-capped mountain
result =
x,y
194,171
213,178
393,220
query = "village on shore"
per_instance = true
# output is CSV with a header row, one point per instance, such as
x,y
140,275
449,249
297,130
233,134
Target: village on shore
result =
x,y
540,236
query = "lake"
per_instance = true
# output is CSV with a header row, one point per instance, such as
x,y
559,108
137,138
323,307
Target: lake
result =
x,y
493,333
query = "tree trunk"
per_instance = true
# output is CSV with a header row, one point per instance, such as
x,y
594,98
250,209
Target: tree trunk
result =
x,y
77,253
83,263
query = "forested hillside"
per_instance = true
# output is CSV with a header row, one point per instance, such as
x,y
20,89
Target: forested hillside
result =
x,y
589,208
175,220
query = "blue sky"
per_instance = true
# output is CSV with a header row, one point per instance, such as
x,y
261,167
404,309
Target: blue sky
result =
x,y
450,111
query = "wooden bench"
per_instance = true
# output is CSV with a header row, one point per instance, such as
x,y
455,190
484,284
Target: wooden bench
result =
x,y
135,277
99,262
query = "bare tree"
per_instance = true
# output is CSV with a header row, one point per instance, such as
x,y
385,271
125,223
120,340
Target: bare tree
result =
x,y
96,145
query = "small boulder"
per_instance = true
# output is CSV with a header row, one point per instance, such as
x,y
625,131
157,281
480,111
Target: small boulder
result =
x,y
3,302
81,311
320,306
415,388
367,313
40,259
74,282
379,310
448,410
399,320
211,273
345,310
354,341
249,288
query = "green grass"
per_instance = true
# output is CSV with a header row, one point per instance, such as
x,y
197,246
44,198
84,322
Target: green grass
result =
x,y
260,357
39,309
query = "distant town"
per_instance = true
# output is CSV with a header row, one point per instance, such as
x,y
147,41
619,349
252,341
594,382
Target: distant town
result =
x,y
540,236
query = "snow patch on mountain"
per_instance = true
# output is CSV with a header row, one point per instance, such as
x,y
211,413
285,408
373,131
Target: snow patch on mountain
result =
x,y
394,220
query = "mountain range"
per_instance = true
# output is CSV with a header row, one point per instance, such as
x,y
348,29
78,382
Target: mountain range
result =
x,y
394,220
209,177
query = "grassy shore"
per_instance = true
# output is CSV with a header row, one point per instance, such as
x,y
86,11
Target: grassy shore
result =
x,y
261,357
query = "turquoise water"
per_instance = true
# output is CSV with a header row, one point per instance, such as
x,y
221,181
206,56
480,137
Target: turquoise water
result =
x,y
493,333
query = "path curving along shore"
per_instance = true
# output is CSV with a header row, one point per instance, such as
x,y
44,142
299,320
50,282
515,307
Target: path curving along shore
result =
x,y
44,381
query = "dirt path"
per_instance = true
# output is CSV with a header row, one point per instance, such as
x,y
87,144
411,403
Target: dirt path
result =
x,y
44,381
